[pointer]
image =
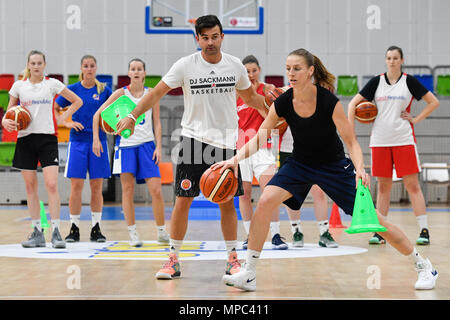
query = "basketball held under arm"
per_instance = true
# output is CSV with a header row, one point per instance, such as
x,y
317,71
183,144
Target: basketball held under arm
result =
x,y
351,109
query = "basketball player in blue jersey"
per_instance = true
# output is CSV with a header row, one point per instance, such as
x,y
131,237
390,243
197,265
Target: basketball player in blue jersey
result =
x,y
392,139
315,117
80,159
137,157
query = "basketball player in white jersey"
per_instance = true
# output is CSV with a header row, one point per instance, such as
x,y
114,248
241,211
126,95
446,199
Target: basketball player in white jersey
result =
x,y
392,140
137,157
38,143
210,79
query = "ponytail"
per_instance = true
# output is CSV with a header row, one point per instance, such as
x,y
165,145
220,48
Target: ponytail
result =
x,y
100,85
322,76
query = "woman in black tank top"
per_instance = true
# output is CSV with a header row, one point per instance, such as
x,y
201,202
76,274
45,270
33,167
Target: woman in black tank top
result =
x,y
313,114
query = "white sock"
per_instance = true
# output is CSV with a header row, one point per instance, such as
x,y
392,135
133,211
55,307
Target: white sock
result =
x,y
96,218
161,228
75,219
323,226
55,223
252,259
247,226
230,245
415,256
423,221
274,227
132,228
37,224
175,246
296,225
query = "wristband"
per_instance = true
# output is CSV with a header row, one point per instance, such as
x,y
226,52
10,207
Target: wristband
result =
x,y
132,117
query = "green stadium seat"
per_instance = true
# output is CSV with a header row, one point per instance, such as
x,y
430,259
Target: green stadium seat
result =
x,y
152,80
7,153
4,99
347,85
73,78
443,85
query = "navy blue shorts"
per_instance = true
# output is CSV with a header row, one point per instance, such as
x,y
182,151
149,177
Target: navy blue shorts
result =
x,y
336,179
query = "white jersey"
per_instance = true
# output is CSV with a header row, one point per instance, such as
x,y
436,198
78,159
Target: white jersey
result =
x,y
389,129
143,132
209,97
38,99
287,142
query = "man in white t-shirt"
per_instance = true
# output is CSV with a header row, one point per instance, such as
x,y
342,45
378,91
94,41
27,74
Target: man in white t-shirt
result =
x,y
210,80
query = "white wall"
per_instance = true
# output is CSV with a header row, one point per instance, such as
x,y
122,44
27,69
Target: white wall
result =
x,y
335,30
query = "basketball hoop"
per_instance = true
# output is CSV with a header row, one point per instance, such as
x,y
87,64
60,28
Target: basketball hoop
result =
x,y
192,22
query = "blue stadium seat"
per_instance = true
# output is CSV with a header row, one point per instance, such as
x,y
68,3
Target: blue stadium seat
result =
x,y
106,78
426,80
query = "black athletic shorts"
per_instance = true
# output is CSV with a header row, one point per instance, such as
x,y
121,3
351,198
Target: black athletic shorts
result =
x,y
194,158
35,148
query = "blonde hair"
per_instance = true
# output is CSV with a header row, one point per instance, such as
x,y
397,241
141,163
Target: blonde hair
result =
x,y
100,85
321,75
26,72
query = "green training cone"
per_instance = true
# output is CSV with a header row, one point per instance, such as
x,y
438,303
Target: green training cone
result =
x,y
364,215
44,222
118,110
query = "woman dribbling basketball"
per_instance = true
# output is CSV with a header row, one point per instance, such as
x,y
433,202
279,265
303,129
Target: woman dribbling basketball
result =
x,y
315,117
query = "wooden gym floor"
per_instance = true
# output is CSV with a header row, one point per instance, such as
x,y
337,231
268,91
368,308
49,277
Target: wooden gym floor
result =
x,y
325,277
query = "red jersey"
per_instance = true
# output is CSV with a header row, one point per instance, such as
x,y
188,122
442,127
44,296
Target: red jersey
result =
x,y
249,121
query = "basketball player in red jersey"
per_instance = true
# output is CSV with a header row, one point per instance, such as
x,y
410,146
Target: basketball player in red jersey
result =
x,y
262,163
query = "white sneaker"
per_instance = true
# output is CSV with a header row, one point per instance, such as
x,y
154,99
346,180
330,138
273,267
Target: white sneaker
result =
x,y
427,275
135,241
163,237
244,279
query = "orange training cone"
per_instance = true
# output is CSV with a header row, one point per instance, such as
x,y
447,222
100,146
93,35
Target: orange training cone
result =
x,y
335,217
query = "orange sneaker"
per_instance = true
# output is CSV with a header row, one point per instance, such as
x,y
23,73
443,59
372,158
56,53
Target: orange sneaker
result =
x,y
170,269
233,264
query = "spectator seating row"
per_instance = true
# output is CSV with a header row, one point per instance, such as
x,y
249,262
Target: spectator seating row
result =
x,y
436,79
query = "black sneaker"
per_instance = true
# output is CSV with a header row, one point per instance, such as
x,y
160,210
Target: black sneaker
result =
x,y
377,239
74,235
424,237
96,234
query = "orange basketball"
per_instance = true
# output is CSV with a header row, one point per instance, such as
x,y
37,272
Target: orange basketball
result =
x,y
20,115
218,188
366,112
104,126
270,97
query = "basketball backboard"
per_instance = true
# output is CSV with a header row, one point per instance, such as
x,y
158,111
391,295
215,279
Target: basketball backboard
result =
x,y
173,16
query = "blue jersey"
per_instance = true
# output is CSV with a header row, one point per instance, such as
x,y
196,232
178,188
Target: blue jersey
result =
x,y
92,101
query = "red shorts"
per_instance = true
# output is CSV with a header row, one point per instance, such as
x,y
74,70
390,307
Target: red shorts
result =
x,y
405,159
